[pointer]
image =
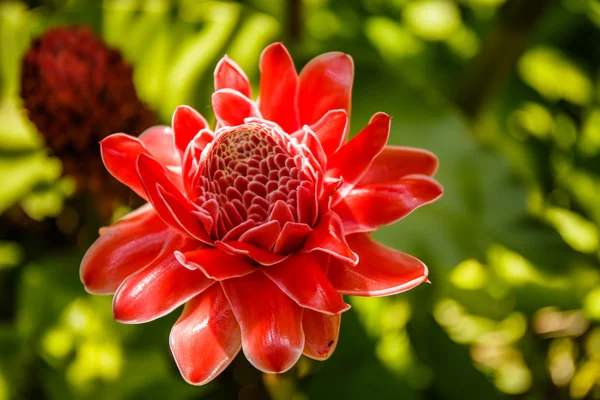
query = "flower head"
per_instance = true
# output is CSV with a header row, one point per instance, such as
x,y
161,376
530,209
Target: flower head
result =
x,y
77,91
262,224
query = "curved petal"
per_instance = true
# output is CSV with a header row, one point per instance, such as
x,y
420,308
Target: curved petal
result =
x,y
259,255
231,107
381,271
122,249
215,263
206,338
186,123
332,130
396,162
191,159
325,84
328,237
159,141
160,287
312,143
353,159
292,237
278,87
302,278
183,215
119,153
270,321
229,75
366,208
321,332
263,236
153,176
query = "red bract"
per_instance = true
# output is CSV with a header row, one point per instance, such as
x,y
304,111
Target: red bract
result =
x,y
261,225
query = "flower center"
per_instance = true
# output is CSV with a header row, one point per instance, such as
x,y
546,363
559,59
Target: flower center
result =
x,y
246,172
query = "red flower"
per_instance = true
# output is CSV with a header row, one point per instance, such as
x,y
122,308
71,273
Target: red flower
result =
x,y
261,225
77,91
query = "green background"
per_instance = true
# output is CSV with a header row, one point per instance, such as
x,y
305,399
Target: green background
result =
x,y
506,93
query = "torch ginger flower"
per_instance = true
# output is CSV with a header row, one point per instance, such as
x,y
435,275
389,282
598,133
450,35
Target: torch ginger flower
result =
x,y
260,226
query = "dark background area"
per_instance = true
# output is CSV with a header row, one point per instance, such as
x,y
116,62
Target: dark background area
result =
x,y
505,92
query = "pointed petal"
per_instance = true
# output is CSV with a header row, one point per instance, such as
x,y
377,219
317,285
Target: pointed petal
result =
x,y
270,321
182,213
229,75
321,332
160,287
215,263
281,213
262,236
328,237
325,84
352,161
302,278
231,107
313,143
122,249
307,206
292,237
278,87
186,124
366,208
206,338
152,175
159,142
191,158
332,130
396,162
381,271
119,153
259,255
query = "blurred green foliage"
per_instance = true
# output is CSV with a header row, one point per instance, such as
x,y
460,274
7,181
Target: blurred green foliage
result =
x,y
513,246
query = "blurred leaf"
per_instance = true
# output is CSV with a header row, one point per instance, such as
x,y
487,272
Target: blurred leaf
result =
x,y
11,254
20,174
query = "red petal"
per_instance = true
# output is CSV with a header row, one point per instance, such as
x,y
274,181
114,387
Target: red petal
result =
x,y
186,123
122,249
292,237
206,338
366,208
119,153
262,236
259,255
185,220
395,162
191,158
234,234
228,75
302,278
278,87
381,271
325,84
160,143
307,206
215,263
354,158
271,322
281,212
152,174
159,288
332,130
231,107
321,332
328,237
312,143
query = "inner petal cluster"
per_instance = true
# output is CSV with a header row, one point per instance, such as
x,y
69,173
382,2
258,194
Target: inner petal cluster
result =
x,y
250,175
